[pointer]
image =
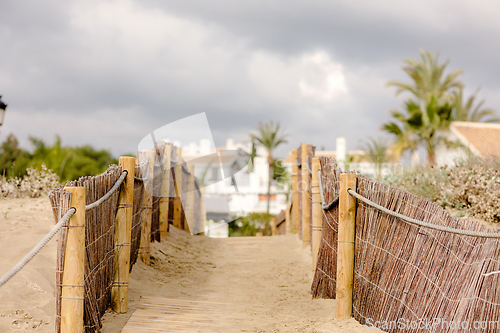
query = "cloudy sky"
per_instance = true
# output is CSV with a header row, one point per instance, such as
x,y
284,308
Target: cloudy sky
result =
x,y
107,73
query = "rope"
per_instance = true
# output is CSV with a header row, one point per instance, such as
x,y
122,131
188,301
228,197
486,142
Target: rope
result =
x,y
143,179
297,162
185,170
334,201
307,165
38,247
422,223
110,192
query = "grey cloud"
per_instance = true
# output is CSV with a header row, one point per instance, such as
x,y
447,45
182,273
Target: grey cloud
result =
x,y
56,62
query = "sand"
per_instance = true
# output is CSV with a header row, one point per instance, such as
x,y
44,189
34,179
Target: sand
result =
x,y
263,282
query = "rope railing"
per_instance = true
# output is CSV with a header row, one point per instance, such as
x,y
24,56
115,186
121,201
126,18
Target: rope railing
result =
x,y
423,223
324,206
185,170
105,197
307,165
61,223
143,179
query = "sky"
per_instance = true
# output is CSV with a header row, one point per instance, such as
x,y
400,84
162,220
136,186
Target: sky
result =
x,y
107,73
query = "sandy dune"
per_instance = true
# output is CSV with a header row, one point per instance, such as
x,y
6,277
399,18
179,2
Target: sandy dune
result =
x,y
263,282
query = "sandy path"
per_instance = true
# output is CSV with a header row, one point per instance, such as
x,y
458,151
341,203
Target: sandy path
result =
x,y
264,281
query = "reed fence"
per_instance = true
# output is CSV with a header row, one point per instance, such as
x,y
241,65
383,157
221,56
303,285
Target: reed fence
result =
x,y
422,267
118,231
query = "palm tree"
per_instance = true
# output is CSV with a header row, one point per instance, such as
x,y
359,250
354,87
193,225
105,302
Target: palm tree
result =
x,y
428,115
269,135
377,152
468,112
427,77
414,128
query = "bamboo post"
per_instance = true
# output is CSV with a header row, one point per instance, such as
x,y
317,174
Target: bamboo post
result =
x,y
189,207
345,246
288,226
317,211
123,229
306,214
147,207
178,190
165,193
72,293
295,193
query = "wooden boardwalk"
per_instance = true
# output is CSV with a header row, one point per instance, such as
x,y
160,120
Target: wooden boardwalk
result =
x,y
156,314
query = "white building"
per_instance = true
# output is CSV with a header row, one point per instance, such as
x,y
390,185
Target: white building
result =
x,y
228,171
479,139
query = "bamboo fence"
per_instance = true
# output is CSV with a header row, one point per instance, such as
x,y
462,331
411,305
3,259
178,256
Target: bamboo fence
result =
x,y
404,272
280,223
100,232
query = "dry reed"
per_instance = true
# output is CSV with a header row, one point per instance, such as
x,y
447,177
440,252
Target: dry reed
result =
x,y
324,281
157,180
280,225
410,273
99,245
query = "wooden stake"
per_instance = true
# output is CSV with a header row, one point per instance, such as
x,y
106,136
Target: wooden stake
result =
x,y
295,193
288,225
72,295
345,246
178,190
123,229
147,215
165,193
189,205
306,214
317,212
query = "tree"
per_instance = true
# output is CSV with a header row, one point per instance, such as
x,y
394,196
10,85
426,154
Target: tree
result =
x,y
269,136
427,79
13,160
377,152
466,111
404,127
428,114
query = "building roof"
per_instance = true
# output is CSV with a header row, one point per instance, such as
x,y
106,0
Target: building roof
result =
x,y
483,139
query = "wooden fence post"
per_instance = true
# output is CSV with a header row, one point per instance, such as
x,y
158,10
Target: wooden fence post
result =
x,y
306,214
165,193
147,206
288,226
345,246
123,229
72,293
295,193
178,190
189,204
317,211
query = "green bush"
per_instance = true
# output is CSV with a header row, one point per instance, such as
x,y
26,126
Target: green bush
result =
x,y
472,186
251,224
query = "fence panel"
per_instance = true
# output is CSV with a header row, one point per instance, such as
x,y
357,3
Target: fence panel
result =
x,y
324,281
409,273
99,245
